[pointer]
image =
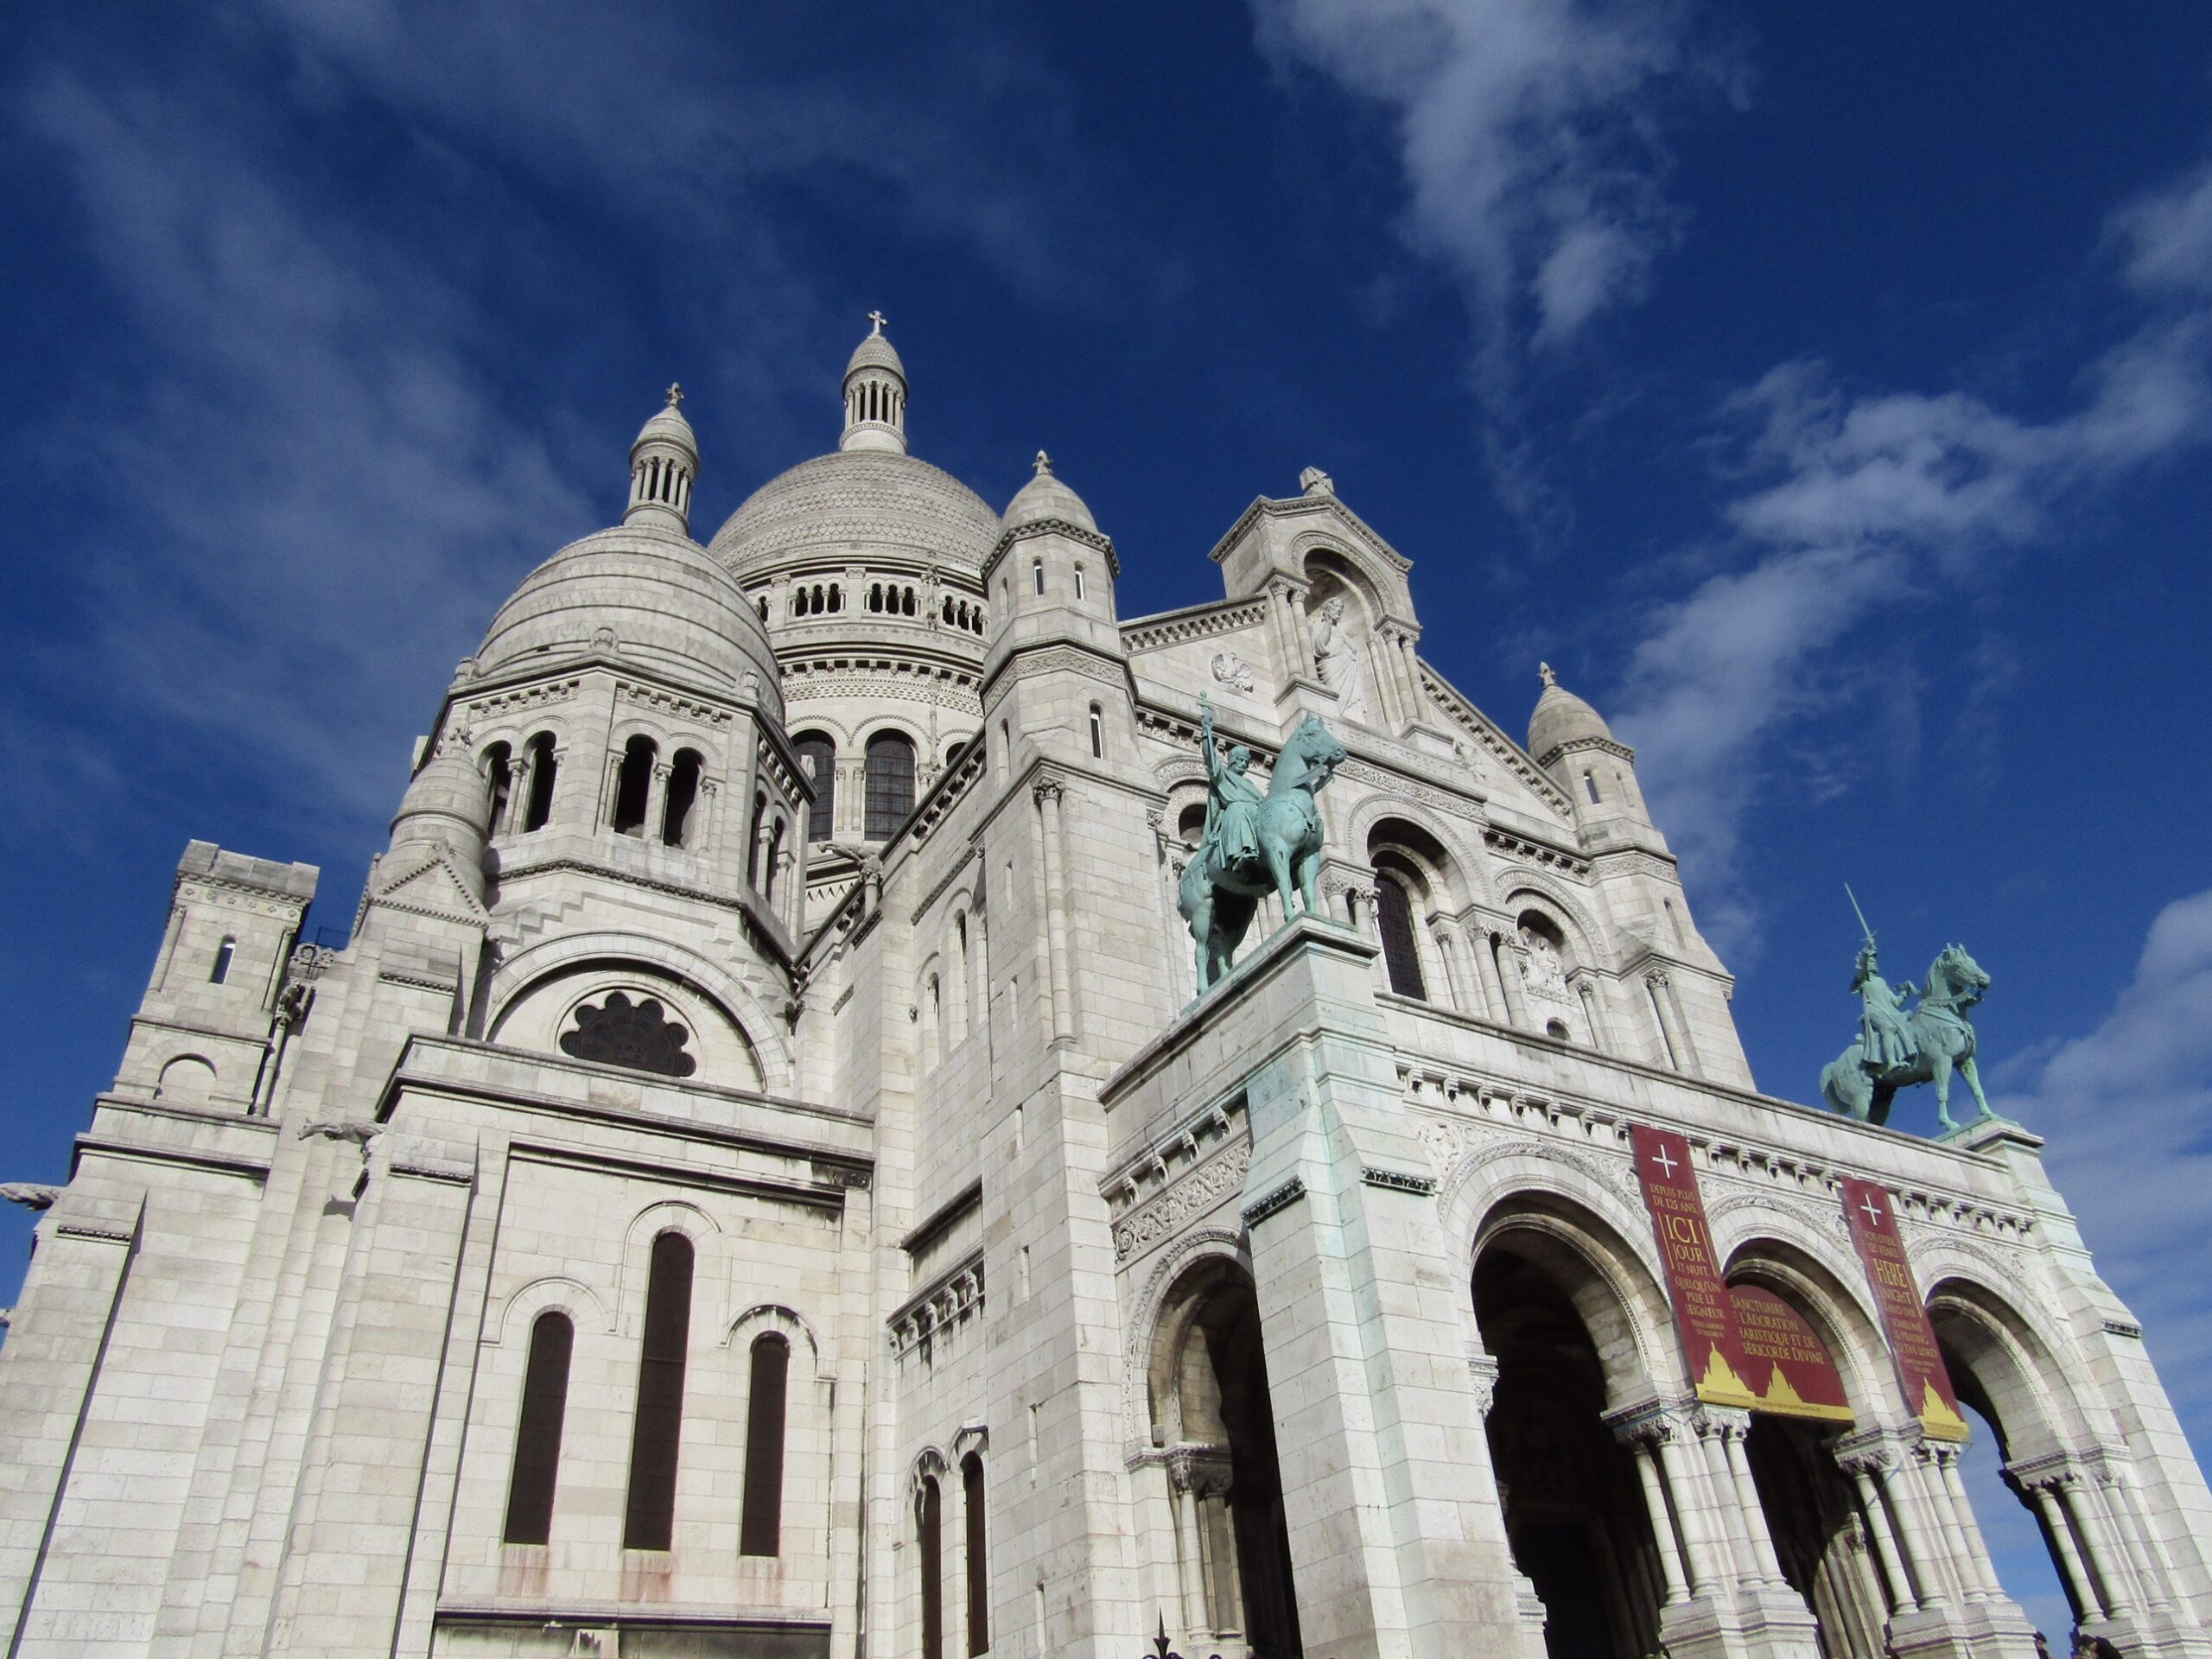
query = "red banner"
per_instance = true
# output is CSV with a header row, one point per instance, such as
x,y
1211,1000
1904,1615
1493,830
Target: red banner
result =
x,y
1703,1313
1799,1377
1912,1339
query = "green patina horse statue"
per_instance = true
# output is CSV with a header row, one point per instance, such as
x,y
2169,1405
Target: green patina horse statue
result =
x,y
1280,852
1942,1041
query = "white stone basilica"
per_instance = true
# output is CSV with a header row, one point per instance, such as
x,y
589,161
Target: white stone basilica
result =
x,y
757,1180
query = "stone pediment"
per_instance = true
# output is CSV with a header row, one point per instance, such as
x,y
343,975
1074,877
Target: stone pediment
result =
x,y
431,888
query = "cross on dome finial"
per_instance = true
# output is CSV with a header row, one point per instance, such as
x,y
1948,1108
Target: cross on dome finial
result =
x,y
1043,465
879,320
675,393
1544,673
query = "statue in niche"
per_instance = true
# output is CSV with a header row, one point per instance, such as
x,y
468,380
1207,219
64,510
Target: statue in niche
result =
x,y
1541,968
1336,659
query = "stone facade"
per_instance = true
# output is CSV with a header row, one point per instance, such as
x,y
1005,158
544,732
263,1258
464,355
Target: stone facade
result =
x,y
682,1221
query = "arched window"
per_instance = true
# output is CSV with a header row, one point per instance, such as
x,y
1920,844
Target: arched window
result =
x,y
633,784
837,597
1558,1028
764,610
543,764
1078,581
948,607
650,1522
890,784
498,769
775,853
818,758
538,1430
682,795
224,952
932,1568
1037,574
979,1575
876,596
1097,734
760,1529
1394,918
909,607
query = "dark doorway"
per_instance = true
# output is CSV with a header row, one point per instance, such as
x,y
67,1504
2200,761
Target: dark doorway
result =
x,y
1574,1509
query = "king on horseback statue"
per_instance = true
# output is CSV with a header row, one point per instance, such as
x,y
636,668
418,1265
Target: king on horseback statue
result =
x,y
1897,1048
1255,843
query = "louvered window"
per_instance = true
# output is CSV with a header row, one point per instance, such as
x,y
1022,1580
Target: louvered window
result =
x,y
890,784
1394,917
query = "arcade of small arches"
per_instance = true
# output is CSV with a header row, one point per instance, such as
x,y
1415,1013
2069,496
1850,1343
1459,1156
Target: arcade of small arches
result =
x,y
897,599
1625,1500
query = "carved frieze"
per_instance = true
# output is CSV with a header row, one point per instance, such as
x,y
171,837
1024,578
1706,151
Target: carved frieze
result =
x,y
1205,1187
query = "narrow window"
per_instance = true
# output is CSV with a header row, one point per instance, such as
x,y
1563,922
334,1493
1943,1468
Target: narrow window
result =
x,y
933,1569
224,952
1394,917
760,1529
764,610
1590,782
543,764
1005,747
817,758
979,1575
948,607
649,1522
498,769
890,784
1078,581
753,840
775,861
632,785
837,597
682,796
910,602
876,596
1674,921
537,1433
1037,572
1097,734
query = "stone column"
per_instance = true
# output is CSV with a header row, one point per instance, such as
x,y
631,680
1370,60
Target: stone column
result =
x,y
1506,960
2152,1572
1464,995
1673,1030
1682,1481
657,801
1483,943
2076,1495
1047,792
1939,1478
1722,1430
1584,990
517,801
2069,1559
707,815
1662,1523
1863,1467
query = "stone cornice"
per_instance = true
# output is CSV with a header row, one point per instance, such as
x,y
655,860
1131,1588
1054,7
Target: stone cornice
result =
x,y
1035,527
1304,505
1206,621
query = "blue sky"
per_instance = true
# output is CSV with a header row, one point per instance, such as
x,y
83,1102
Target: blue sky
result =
x,y
1825,392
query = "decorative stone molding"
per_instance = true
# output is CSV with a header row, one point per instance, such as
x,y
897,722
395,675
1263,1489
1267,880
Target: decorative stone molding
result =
x,y
1281,1198
1200,622
1493,742
953,1296
1201,1470
1542,855
486,711
1205,1187
1400,787
1396,1180
669,703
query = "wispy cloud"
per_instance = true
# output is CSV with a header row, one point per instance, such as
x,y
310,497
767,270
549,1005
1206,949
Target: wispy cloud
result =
x,y
1846,502
1530,138
2128,1113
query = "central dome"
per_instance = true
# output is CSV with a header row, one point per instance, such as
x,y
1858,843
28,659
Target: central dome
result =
x,y
859,498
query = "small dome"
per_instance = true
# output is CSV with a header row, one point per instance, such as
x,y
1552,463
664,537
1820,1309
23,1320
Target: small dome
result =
x,y
1561,717
1046,496
856,501
876,352
644,592
668,426
449,792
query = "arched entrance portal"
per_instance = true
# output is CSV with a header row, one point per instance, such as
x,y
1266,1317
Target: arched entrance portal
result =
x,y
1574,1512
1211,1410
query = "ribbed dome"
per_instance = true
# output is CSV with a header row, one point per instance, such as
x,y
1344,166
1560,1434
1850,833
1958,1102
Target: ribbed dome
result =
x,y
1562,717
859,498
668,426
661,597
876,352
448,788
1046,496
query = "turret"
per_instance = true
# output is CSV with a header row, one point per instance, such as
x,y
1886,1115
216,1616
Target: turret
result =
x,y
876,394
663,464
447,810
1050,583
1570,740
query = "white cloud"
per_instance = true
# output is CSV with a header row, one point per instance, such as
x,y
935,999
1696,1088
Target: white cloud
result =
x,y
1845,502
2127,1110
1529,134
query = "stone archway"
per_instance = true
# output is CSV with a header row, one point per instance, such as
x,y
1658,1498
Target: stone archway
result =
x,y
1574,1515
1212,1410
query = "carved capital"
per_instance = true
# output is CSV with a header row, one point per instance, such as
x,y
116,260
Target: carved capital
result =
x,y
1723,1422
1482,1374
1657,979
1203,1471
1648,1425
1046,790
1870,1453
